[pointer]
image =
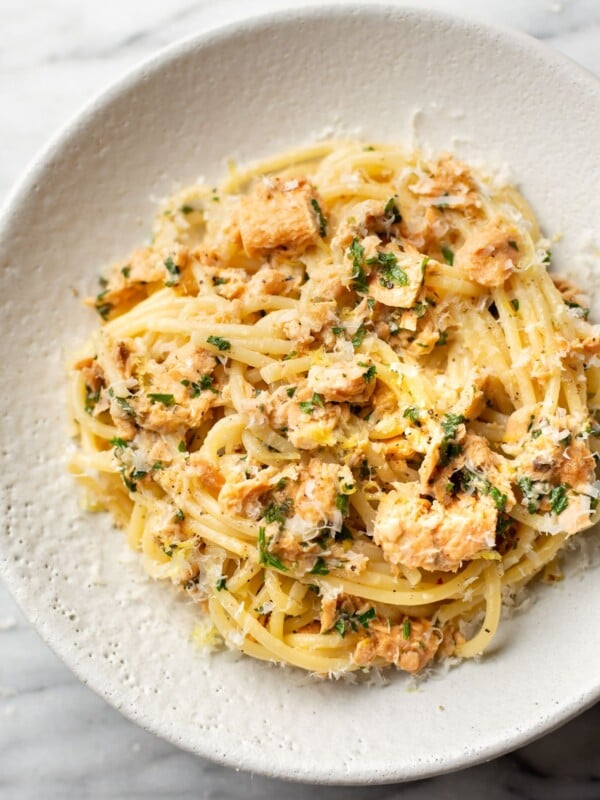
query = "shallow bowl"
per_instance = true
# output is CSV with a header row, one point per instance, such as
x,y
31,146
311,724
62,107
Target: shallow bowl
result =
x,y
245,91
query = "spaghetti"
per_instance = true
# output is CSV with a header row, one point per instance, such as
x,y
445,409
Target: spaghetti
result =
x,y
340,402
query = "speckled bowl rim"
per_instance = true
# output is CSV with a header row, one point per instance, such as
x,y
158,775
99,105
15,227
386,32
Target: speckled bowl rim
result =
x,y
67,134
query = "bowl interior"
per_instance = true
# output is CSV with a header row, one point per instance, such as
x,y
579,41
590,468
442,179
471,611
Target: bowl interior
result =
x,y
250,90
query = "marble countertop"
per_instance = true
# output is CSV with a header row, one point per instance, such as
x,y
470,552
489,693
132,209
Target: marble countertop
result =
x,y
57,738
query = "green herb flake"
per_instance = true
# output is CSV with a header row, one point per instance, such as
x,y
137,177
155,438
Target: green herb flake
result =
x,y
288,356
278,512
515,304
390,272
498,498
221,584
187,209
342,503
291,391
182,447
320,567
338,330
264,557
220,343
547,258
513,244
217,281
122,401
391,211
442,339
412,413
448,255
558,499
358,337
179,515
173,271
165,399
119,443
406,628
369,375
320,217
126,271
366,617
359,279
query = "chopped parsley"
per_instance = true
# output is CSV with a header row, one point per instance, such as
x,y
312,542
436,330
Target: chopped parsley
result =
x,y
130,480
585,312
515,304
342,503
412,413
442,339
448,255
369,375
278,512
165,399
173,271
219,343
187,209
264,557
406,628
119,443
513,244
217,281
126,271
547,257
450,424
103,308
351,622
221,584
122,401
320,217
287,356
390,272
182,447
359,278
558,499
91,398
498,497
179,515
449,448
308,406
205,382
391,211
320,567
359,336
291,391
338,330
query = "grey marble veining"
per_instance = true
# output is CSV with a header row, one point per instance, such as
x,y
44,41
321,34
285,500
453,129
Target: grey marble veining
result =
x,y
57,738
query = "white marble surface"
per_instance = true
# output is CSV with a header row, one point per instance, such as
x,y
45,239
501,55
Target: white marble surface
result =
x,y
57,739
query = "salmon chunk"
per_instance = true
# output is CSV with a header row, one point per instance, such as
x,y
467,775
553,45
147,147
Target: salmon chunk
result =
x,y
409,646
397,275
343,382
279,214
418,533
489,255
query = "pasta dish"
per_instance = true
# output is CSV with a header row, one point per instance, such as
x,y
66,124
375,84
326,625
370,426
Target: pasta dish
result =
x,y
340,402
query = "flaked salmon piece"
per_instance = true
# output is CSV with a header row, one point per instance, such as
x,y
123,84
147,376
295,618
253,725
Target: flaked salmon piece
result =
x,y
546,459
450,183
308,424
269,281
569,291
397,276
345,381
410,646
365,219
418,533
279,214
489,255
314,498
207,474
241,495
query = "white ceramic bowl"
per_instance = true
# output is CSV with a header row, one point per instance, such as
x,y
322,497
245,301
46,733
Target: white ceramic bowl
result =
x,y
246,91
